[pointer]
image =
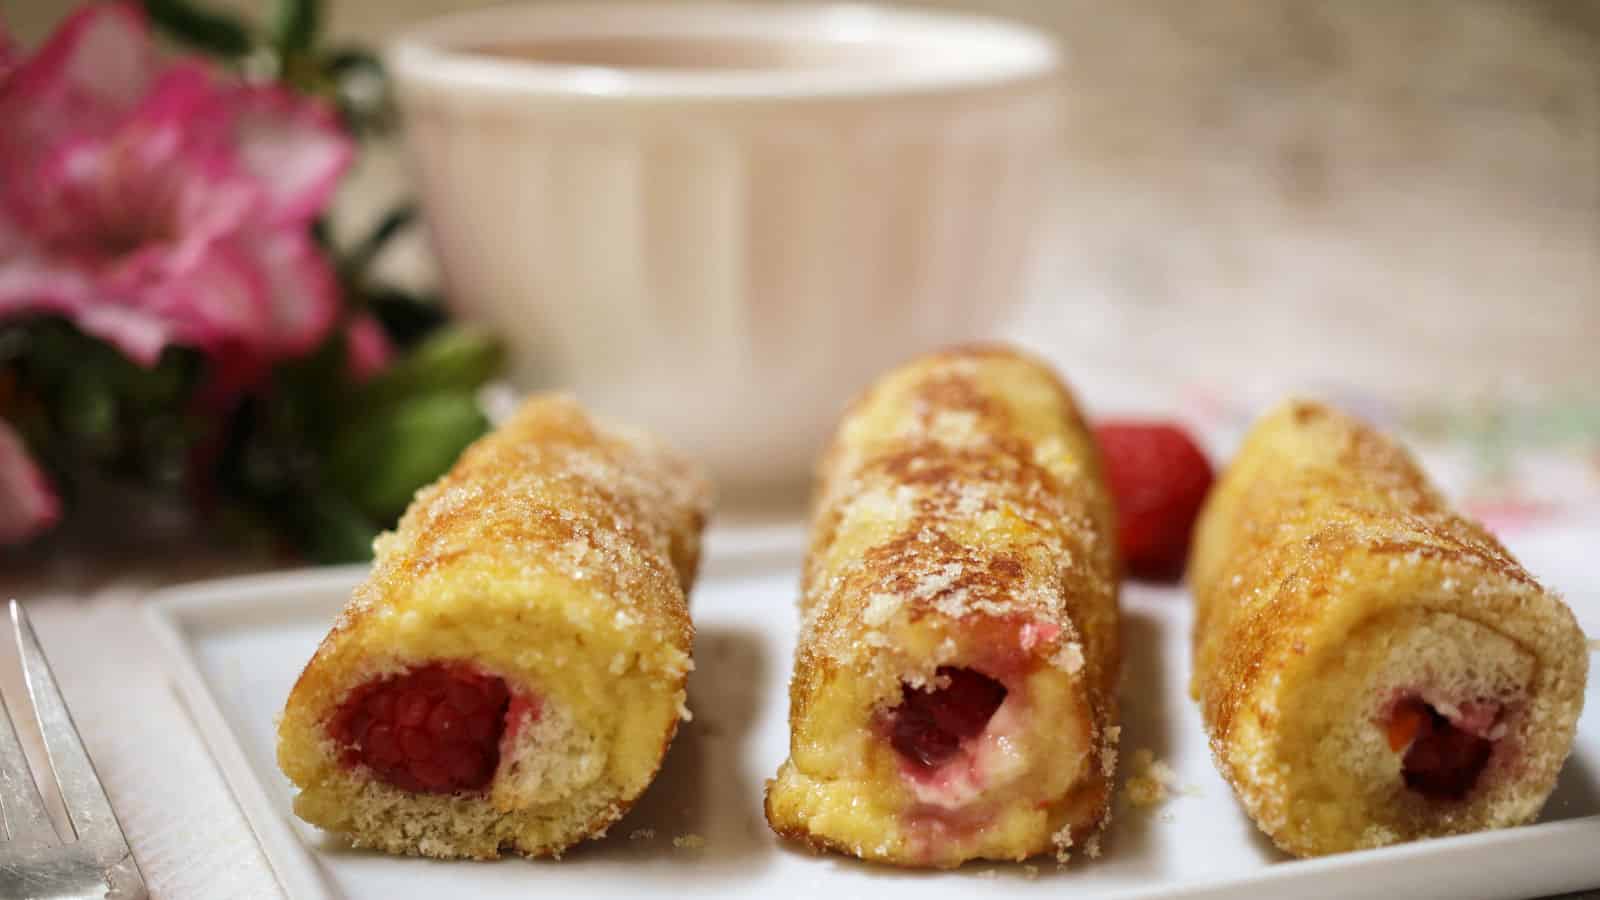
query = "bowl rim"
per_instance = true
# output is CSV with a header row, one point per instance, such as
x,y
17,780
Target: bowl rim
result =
x,y
992,52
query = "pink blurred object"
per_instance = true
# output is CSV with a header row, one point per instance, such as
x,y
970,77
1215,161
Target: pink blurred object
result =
x,y
162,203
8,53
28,504
367,348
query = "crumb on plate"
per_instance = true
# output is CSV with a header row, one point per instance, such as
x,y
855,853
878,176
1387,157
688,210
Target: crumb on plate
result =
x,y
1063,844
1151,780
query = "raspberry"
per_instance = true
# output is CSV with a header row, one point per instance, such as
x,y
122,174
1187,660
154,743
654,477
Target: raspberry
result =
x,y
1405,723
433,729
1443,762
929,726
1158,479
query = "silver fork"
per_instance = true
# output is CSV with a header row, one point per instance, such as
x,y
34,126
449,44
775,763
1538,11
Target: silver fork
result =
x,y
35,864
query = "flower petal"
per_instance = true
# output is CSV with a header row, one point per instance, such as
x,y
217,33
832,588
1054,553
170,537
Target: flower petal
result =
x,y
264,294
9,57
32,283
215,292
149,182
37,287
140,335
302,287
28,504
87,76
157,204
293,145
367,348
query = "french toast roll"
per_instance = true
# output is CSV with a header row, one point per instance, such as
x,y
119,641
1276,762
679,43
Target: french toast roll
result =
x,y
953,695
1371,666
511,673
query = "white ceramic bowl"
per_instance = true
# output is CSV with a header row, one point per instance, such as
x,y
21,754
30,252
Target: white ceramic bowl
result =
x,y
726,253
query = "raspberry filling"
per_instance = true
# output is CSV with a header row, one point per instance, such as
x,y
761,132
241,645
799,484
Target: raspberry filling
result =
x,y
433,729
1442,761
929,726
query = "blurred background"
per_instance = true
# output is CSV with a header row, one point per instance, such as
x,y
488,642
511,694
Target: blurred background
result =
x,y
1395,206
1385,196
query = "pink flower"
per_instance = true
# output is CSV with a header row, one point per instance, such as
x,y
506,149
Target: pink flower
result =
x,y
8,52
28,505
367,349
158,204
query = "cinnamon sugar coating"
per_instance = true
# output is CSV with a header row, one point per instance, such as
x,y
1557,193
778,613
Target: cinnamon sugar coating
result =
x,y
555,557
959,506
980,485
593,502
1330,578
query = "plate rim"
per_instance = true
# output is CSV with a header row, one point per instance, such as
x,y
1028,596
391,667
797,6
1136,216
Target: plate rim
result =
x,y
292,864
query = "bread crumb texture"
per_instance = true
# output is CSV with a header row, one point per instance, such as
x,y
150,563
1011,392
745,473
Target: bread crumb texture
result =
x,y
554,555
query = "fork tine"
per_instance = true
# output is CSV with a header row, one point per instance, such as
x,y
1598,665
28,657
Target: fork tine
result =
x,y
81,792
20,804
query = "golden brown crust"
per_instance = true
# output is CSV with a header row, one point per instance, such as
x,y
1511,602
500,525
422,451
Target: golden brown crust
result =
x,y
548,481
963,486
1321,524
1277,524
554,521
544,480
1064,571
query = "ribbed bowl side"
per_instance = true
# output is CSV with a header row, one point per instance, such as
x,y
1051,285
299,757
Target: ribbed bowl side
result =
x,y
729,275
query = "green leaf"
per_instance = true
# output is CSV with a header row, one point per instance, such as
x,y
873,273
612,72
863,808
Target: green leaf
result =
x,y
163,449
361,89
406,316
310,393
213,32
16,339
322,233
381,460
165,385
295,26
450,359
88,408
330,529
396,221
348,61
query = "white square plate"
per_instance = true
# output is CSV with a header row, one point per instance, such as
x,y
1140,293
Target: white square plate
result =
x,y
236,646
